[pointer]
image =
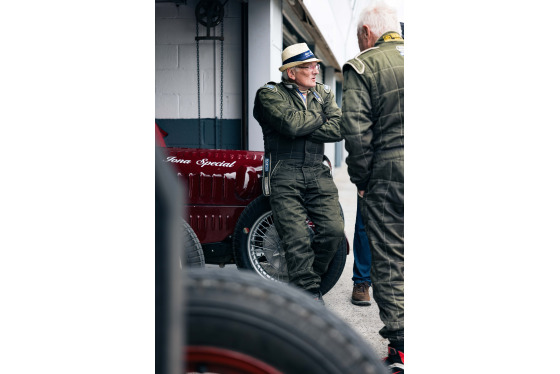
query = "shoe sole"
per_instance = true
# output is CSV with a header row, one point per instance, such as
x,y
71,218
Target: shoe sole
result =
x,y
360,303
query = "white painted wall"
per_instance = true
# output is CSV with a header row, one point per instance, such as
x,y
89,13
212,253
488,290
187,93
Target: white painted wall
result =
x,y
175,63
265,56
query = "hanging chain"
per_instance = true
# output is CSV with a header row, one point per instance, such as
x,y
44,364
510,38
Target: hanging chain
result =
x,y
222,79
221,75
198,85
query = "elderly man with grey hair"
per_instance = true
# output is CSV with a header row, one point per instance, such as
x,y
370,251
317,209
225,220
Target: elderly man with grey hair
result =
x,y
373,129
297,116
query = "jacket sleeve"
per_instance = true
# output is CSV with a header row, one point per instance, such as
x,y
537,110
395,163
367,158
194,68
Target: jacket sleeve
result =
x,y
329,131
357,127
272,108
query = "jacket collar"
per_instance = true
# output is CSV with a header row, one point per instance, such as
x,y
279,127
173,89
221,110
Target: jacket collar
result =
x,y
389,36
311,93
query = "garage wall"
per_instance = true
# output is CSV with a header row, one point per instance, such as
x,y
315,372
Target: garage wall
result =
x,y
176,99
265,57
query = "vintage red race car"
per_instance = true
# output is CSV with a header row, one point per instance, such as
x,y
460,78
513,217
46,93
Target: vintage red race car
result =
x,y
227,215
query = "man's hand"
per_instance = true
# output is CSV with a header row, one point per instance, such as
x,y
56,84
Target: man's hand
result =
x,y
361,193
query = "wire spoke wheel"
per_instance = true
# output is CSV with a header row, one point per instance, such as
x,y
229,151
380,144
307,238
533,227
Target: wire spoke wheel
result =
x,y
265,250
257,246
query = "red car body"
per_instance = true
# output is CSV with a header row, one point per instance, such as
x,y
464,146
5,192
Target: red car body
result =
x,y
219,184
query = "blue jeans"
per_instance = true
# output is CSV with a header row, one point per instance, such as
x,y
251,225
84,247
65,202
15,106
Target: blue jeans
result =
x,y
362,253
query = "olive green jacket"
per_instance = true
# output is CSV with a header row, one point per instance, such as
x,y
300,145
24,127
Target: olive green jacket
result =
x,y
292,129
373,106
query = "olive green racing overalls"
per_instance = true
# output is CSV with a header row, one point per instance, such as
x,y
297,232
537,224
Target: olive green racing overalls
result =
x,y
299,184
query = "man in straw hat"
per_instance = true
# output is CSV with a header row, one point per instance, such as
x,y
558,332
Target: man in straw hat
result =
x,y
297,116
373,129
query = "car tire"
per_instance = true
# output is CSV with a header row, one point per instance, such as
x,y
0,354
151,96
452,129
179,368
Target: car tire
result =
x,y
192,255
236,323
257,247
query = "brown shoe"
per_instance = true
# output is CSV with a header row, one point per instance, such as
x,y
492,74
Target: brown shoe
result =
x,y
360,294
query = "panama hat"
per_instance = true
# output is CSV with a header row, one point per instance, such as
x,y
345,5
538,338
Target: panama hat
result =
x,y
296,54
